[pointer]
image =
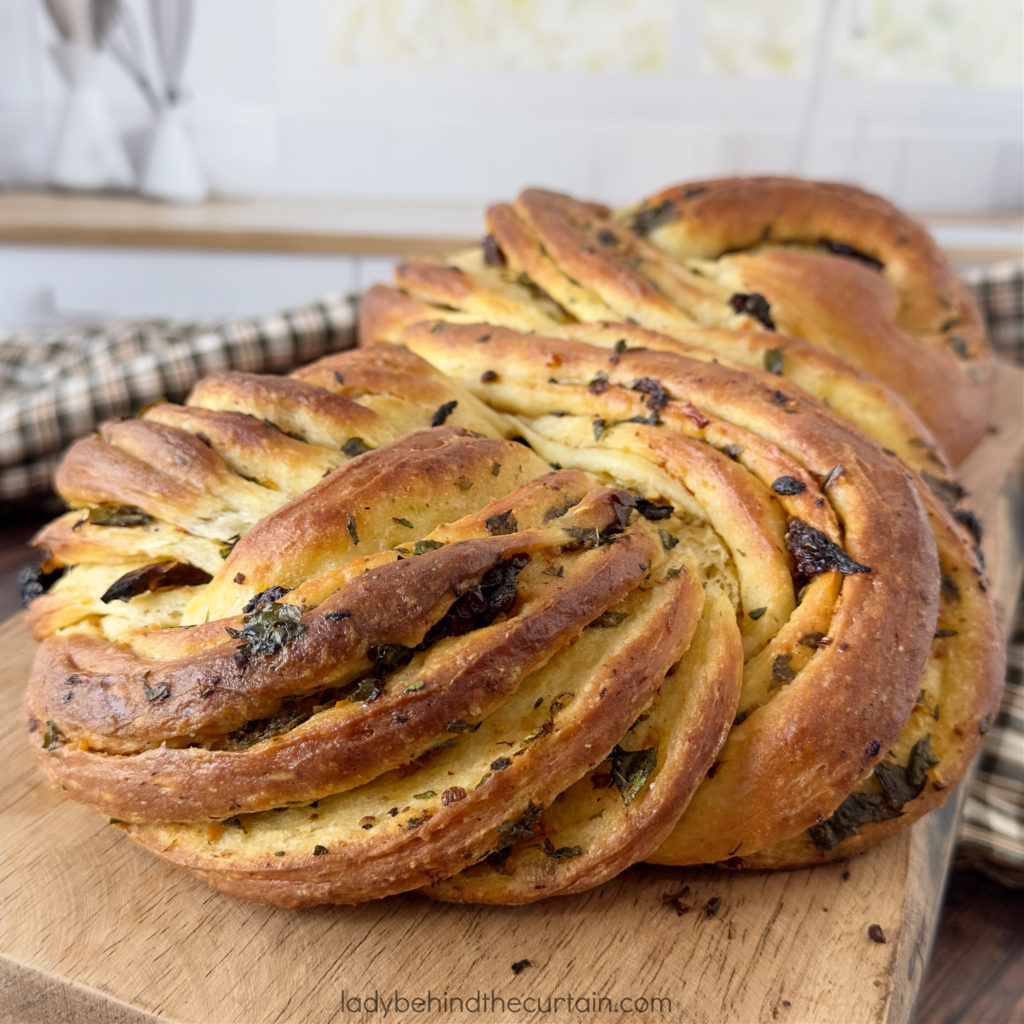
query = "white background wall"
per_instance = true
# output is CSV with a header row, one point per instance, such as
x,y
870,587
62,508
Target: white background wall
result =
x,y
918,99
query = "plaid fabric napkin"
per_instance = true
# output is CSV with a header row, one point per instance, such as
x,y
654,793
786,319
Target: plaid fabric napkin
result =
x,y
56,386
991,831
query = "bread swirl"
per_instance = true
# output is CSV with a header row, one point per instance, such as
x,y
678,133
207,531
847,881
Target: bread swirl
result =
x,y
565,568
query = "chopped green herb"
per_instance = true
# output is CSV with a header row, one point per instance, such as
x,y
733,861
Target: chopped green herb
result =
x,y
51,738
427,794
365,691
118,515
557,511
401,521
464,483
773,360
788,485
516,828
631,769
949,492
155,694
757,613
959,346
920,760
561,852
151,578
414,687
652,511
814,553
830,477
423,546
355,446
668,542
229,545
782,672
501,523
755,305
442,413
646,220
608,620
207,686
319,851
267,631
352,531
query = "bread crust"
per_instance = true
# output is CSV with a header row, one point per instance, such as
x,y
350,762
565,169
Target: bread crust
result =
x,y
581,558
921,311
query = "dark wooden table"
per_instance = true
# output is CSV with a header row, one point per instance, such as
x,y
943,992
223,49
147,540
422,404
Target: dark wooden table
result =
x,y
976,971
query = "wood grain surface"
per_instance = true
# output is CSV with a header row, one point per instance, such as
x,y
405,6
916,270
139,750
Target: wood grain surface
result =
x,y
95,929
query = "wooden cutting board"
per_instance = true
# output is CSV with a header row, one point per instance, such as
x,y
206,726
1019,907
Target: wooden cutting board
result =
x,y
95,929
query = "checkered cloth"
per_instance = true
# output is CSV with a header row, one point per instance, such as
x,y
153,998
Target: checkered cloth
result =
x,y
59,385
991,832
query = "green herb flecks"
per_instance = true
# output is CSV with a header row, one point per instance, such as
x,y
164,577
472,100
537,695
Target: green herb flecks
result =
x,y
608,620
631,769
512,829
229,545
561,852
154,694
501,523
423,546
51,738
267,631
668,542
355,446
773,360
899,785
118,515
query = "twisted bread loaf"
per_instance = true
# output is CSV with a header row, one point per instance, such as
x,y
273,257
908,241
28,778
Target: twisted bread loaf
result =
x,y
564,569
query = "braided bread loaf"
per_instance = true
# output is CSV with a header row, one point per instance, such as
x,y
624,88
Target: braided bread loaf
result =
x,y
567,567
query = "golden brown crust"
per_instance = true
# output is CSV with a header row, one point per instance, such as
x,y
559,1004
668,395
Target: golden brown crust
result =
x,y
404,852
934,315
407,618
795,740
589,834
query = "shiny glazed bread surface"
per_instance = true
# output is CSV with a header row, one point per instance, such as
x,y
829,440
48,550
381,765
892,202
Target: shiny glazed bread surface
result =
x,y
579,561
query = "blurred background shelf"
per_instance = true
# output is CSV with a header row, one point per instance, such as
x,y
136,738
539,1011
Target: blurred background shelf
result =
x,y
71,258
